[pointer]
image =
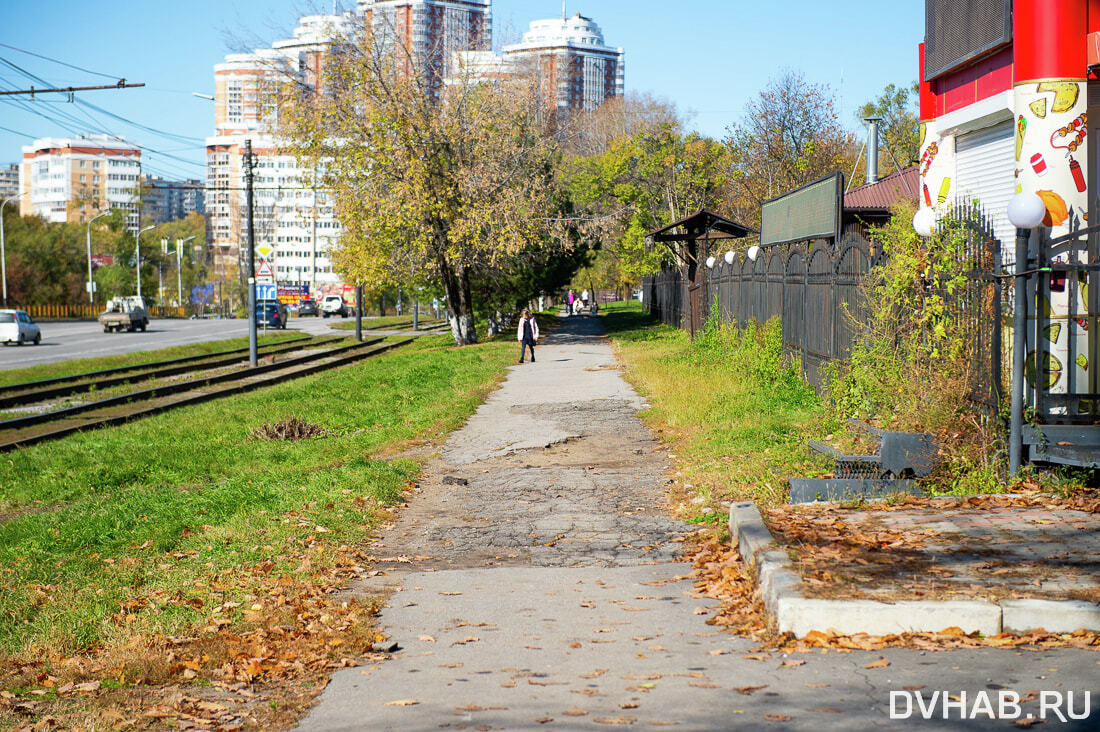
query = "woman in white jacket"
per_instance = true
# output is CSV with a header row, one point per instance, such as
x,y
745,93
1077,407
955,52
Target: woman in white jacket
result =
x,y
527,334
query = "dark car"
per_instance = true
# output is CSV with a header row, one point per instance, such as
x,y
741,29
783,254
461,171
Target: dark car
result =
x,y
308,307
271,314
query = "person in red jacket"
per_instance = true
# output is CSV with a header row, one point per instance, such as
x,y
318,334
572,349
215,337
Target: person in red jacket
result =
x,y
527,334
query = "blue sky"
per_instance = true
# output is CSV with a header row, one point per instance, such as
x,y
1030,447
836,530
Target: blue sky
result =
x,y
707,56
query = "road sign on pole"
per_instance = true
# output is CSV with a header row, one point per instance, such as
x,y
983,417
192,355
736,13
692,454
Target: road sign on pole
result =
x,y
267,291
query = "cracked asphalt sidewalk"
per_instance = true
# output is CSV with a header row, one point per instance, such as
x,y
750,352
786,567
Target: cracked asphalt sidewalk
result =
x,y
540,586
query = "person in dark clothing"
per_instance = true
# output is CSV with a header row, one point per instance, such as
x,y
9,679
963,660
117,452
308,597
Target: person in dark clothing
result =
x,y
527,334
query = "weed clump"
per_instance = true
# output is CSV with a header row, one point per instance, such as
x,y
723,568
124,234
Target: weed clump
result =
x,y
292,429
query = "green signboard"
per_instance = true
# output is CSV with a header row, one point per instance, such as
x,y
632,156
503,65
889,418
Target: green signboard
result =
x,y
809,212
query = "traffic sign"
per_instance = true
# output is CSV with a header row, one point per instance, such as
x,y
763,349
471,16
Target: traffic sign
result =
x,y
267,292
265,250
265,272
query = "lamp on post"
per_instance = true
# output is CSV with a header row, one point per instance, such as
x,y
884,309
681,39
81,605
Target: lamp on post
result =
x,y
88,241
137,254
924,222
1025,212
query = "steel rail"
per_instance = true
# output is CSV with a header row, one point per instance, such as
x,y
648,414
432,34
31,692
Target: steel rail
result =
x,y
7,389
248,382
169,389
37,395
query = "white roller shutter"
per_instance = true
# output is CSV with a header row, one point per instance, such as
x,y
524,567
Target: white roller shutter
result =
x,y
985,170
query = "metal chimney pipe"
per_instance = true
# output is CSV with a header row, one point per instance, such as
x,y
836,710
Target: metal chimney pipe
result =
x,y
872,148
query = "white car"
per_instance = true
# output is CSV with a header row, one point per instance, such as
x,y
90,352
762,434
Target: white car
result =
x,y
16,326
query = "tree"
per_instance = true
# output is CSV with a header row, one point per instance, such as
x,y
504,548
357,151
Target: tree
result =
x,y
899,127
448,181
641,183
788,136
618,118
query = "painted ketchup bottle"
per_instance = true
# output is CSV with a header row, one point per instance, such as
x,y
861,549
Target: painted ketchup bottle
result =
x,y
927,196
1078,176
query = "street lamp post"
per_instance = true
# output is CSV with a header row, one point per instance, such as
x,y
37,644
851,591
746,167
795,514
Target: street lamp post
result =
x,y
137,253
1025,212
88,241
179,269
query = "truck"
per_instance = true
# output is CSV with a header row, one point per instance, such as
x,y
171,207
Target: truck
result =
x,y
124,312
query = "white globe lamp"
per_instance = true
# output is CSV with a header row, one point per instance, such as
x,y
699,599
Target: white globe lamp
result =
x,y
753,253
728,256
1026,210
924,222
710,262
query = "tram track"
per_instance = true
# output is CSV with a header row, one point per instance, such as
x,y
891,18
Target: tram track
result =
x,y
34,428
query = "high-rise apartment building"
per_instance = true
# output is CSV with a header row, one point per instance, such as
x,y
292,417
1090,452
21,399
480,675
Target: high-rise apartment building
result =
x,y
285,216
73,179
169,200
576,69
430,32
9,181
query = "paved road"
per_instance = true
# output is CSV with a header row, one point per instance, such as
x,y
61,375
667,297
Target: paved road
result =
x,y
63,341
538,589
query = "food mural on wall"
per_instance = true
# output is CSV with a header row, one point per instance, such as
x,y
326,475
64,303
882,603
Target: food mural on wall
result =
x,y
937,165
1050,128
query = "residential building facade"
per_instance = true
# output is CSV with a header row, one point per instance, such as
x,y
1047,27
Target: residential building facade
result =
x,y
576,70
284,215
9,181
73,179
169,200
431,31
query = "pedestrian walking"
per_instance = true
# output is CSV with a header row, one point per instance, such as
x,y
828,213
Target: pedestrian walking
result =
x,y
569,299
527,334
584,299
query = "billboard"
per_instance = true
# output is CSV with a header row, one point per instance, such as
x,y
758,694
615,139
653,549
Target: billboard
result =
x,y
810,212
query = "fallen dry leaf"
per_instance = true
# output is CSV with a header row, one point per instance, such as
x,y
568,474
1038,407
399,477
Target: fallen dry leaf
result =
x,y
402,703
621,719
427,638
792,663
747,690
777,718
574,712
882,662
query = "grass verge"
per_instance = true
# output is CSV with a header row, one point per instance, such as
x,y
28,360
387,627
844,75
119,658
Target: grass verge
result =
x,y
84,365
157,551
389,322
735,417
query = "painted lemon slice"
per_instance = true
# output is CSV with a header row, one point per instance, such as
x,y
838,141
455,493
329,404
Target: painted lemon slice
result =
x,y
1052,371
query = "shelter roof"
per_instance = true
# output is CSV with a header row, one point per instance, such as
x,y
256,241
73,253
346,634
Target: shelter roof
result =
x,y
699,224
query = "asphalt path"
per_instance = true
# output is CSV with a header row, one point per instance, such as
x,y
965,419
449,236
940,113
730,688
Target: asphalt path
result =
x,y
64,341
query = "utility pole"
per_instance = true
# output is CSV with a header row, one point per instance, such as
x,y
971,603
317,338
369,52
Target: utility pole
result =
x,y
252,356
359,312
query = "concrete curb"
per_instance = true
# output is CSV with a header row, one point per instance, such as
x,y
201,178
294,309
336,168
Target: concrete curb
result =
x,y
780,587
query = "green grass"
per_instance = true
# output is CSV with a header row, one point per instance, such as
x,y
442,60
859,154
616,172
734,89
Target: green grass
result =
x,y
166,508
389,322
736,418
83,365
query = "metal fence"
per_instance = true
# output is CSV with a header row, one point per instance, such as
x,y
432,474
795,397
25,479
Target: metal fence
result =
x,y
812,287
816,289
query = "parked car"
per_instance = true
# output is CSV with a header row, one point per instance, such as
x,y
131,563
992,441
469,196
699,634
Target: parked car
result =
x,y
334,305
124,312
16,326
271,314
308,307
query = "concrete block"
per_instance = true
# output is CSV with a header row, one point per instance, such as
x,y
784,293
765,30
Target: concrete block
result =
x,y
1054,616
800,615
749,529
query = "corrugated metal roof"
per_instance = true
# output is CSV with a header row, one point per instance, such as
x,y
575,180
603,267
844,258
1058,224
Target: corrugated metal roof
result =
x,y
885,192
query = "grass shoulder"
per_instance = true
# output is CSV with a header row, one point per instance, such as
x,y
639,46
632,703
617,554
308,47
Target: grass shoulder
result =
x,y
187,523
737,418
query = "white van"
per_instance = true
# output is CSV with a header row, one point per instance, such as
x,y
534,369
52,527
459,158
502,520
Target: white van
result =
x,y
16,326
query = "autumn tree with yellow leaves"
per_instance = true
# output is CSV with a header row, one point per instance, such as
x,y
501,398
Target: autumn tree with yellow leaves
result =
x,y
431,182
